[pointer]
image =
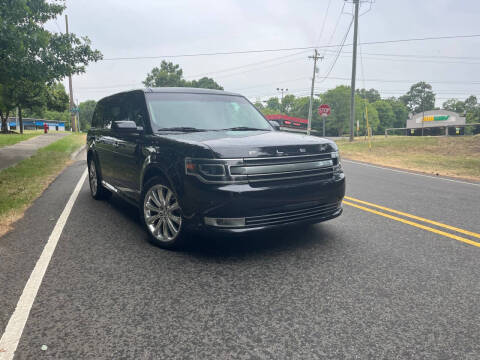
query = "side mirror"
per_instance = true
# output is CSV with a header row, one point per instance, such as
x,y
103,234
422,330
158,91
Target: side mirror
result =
x,y
126,126
275,125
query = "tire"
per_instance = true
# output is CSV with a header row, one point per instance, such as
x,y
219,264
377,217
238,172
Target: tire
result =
x,y
97,190
161,214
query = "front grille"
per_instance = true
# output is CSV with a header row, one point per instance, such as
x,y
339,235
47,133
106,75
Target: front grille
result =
x,y
318,211
284,168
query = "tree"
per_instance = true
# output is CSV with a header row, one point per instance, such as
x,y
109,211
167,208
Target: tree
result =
x,y
273,104
258,105
472,109
56,98
171,75
86,109
455,105
32,57
385,115
419,98
205,83
400,111
168,74
288,102
6,104
371,95
471,103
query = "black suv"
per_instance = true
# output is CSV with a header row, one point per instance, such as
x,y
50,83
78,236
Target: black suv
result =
x,y
195,159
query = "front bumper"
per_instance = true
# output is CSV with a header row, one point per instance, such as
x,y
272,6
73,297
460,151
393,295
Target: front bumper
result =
x,y
262,207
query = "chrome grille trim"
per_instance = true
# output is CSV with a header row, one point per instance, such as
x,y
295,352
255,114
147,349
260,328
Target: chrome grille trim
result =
x,y
286,168
287,159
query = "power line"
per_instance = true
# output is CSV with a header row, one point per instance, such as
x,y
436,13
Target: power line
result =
x,y
409,81
252,64
335,28
292,49
339,51
323,24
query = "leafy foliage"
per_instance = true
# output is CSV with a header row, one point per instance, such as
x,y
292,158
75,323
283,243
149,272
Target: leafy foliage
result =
x,y
31,57
171,75
385,115
371,95
86,109
419,98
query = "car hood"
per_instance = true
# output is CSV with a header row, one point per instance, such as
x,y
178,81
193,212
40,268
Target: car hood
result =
x,y
241,144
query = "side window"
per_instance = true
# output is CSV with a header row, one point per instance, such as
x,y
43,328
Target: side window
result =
x,y
97,118
115,109
107,114
137,109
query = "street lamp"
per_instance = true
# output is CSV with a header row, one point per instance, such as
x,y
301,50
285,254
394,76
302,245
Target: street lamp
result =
x,y
282,90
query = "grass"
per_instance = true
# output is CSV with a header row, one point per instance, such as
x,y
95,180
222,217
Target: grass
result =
x,y
454,156
21,184
10,139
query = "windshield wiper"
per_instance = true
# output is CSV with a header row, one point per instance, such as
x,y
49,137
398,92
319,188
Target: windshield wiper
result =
x,y
243,128
182,129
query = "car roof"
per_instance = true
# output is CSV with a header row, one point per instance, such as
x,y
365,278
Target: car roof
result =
x,y
178,90
188,90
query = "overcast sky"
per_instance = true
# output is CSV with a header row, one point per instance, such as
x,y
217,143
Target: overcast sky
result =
x,y
121,28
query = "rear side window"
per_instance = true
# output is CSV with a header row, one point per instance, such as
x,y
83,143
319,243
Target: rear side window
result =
x,y
115,109
97,118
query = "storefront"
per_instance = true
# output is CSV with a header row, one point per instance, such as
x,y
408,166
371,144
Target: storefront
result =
x,y
435,122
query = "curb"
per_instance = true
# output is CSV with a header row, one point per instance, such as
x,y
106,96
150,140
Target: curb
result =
x,y
78,151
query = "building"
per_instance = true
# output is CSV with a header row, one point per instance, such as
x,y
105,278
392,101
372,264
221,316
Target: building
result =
x,y
34,124
436,122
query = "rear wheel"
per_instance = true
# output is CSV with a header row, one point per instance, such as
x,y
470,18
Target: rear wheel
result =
x,y
162,215
97,190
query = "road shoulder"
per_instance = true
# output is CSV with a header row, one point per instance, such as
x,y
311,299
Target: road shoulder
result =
x,y
21,247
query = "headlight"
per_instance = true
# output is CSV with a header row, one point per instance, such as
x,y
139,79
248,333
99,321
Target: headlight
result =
x,y
215,171
337,168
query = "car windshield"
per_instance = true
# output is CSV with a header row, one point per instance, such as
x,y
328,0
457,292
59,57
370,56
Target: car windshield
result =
x,y
187,112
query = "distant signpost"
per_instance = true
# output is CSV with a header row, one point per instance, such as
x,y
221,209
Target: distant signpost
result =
x,y
324,111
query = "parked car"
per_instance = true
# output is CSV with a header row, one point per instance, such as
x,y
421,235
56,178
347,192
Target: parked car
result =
x,y
198,159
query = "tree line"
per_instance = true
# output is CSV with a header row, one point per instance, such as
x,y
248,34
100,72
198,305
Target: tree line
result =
x,y
383,113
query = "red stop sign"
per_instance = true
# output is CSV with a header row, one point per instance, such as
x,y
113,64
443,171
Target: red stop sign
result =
x,y
324,110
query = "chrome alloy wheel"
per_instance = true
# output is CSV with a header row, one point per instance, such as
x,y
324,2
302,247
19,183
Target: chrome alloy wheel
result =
x,y
162,213
92,177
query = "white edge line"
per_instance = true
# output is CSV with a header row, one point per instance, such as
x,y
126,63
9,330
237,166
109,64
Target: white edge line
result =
x,y
16,324
410,173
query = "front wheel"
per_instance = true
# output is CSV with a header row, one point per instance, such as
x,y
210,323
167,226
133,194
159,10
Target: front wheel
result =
x,y
162,215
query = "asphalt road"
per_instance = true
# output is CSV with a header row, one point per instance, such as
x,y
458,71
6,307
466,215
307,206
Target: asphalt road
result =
x,y
361,286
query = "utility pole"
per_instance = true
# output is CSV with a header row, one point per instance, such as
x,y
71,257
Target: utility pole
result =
x,y
281,102
423,109
315,57
354,71
70,88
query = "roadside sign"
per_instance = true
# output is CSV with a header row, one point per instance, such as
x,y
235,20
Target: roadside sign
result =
x,y
324,110
74,110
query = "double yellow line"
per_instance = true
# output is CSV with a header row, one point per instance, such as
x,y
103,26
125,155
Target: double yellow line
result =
x,y
362,205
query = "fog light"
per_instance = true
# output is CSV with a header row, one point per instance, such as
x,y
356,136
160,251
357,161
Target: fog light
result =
x,y
225,222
